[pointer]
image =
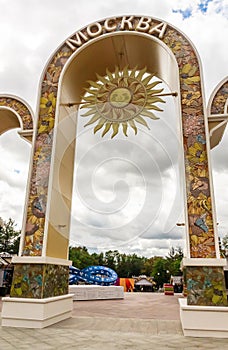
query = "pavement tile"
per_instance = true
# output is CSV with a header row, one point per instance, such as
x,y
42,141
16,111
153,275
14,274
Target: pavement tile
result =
x,y
141,321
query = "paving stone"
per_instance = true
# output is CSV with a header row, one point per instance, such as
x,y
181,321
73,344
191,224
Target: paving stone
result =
x,y
141,321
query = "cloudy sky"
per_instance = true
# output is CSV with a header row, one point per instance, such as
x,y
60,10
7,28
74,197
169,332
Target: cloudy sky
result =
x,y
127,191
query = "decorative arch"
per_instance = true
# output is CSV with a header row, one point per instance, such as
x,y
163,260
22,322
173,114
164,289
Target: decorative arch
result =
x,y
193,123
218,112
44,246
16,113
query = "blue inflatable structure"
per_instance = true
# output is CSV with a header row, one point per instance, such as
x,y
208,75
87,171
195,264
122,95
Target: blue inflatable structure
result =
x,y
99,275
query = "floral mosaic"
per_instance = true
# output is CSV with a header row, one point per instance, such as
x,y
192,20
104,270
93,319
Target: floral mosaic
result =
x,y
39,281
20,108
206,286
56,280
220,99
202,243
42,156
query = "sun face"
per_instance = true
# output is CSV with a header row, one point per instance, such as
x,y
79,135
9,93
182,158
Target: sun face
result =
x,y
121,98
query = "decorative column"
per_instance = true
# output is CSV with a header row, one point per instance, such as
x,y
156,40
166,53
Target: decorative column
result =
x,y
206,312
39,293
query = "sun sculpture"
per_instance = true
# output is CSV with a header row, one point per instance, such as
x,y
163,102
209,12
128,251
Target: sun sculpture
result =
x,y
124,98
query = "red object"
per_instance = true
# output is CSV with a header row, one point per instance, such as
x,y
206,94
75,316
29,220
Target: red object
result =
x,y
168,289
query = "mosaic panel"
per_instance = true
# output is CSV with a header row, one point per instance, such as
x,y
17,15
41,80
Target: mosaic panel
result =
x,y
220,99
20,108
27,281
202,244
39,281
206,286
56,280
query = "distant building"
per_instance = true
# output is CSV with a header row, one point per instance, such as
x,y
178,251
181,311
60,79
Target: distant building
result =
x,y
144,284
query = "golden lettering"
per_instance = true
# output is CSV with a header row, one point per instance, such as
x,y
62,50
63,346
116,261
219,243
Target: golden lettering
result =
x,y
159,28
96,32
74,43
107,26
126,21
144,24
110,24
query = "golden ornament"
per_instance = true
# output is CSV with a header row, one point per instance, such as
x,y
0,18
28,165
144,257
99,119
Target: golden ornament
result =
x,y
121,98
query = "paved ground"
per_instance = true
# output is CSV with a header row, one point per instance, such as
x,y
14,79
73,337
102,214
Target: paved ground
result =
x,y
141,321
134,305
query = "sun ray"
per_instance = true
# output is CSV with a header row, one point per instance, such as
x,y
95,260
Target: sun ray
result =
x,y
141,73
107,128
152,85
141,121
89,98
149,114
147,79
124,125
94,84
99,125
125,72
115,127
109,75
90,112
134,70
116,73
93,119
133,126
91,91
102,79
154,100
156,108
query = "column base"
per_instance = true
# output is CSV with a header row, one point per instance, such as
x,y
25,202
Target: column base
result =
x,y
36,313
204,321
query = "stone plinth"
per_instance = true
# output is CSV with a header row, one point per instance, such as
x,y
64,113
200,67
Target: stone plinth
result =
x,y
36,313
204,321
93,292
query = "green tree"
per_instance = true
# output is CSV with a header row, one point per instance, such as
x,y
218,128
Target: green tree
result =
x,y
111,259
161,272
129,265
122,268
9,237
148,267
174,259
81,258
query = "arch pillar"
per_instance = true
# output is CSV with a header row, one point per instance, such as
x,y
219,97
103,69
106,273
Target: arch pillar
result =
x,y
209,321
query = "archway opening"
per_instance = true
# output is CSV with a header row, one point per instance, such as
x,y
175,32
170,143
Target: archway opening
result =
x,y
117,50
15,155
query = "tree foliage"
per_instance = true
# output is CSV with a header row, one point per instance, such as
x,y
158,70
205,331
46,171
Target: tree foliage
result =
x,y
9,237
160,268
81,258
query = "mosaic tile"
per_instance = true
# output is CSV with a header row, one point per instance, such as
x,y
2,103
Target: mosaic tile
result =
x,y
39,281
206,286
